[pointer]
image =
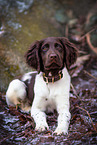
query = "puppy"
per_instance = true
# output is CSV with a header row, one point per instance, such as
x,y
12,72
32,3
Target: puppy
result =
x,y
48,88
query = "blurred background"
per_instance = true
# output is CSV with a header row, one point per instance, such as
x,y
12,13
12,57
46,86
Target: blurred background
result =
x,y
24,21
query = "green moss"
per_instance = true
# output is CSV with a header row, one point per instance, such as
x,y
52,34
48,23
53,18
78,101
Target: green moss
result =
x,y
22,29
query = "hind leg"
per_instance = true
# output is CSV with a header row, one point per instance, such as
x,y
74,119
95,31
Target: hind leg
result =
x,y
16,93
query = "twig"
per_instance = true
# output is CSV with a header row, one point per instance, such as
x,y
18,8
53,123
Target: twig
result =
x,y
88,33
14,135
89,117
90,44
9,136
90,74
75,92
83,108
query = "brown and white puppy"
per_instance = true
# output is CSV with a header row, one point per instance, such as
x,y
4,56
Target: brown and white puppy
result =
x,y
48,88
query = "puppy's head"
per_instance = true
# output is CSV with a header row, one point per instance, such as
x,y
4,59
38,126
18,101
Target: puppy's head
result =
x,y
51,54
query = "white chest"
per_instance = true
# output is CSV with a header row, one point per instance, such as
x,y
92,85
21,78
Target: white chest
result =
x,y
46,94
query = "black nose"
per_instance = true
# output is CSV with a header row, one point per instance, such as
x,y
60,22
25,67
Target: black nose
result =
x,y
53,56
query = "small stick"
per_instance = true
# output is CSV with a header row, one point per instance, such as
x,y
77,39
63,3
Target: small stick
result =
x,y
14,135
90,74
75,92
83,108
90,44
88,33
89,117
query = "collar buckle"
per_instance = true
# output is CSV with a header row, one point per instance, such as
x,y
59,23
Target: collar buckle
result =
x,y
45,78
52,79
60,74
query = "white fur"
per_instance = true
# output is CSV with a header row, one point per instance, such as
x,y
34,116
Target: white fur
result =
x,y
28,76
47,98
16,91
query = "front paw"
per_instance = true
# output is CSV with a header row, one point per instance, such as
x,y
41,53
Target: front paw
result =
x,y
41,127
60,131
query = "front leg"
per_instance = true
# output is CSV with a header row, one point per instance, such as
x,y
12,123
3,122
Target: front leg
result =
x,y
64,114
39,117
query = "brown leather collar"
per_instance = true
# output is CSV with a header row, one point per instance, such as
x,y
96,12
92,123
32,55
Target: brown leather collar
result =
x,y
53,79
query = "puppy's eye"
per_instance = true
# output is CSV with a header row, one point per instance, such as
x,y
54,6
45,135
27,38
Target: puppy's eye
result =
x,y
58,46
45,47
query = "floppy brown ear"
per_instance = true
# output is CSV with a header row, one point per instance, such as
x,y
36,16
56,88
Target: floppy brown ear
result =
x,y
71,52
32,55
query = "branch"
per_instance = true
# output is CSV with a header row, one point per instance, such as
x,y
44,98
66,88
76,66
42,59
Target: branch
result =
x,y
75,92
90,74
90,44
89,117
88,33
